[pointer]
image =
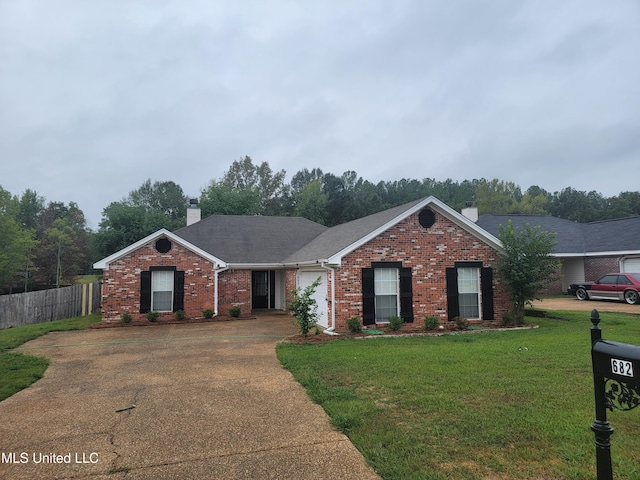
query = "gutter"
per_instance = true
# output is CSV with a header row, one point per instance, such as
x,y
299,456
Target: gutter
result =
x,y
331,329
216,272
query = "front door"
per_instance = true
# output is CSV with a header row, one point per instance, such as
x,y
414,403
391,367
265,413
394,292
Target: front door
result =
x,y
263,288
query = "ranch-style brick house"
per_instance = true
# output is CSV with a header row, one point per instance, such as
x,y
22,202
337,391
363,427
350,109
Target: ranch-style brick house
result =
x,y
421,258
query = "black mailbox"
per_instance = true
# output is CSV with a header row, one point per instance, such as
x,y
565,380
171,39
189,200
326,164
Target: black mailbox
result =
x,y
616,380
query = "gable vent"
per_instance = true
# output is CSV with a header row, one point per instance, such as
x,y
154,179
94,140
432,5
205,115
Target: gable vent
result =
x,y
427,218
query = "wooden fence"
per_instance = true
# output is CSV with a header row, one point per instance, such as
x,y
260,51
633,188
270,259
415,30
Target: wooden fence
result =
x,y
49,305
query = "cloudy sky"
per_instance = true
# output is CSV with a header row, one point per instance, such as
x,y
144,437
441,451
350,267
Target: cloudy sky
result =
x,y
98,96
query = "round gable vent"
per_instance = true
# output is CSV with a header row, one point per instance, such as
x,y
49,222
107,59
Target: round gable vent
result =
x,y
427,218
163,245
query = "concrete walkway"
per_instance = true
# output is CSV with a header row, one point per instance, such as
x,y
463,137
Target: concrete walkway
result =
x,y
211,402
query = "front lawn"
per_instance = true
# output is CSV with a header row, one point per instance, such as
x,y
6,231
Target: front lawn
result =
x,y
503,405
18,371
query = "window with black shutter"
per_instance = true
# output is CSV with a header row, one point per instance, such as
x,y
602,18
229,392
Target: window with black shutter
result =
x,y
470,291
386,291
161,290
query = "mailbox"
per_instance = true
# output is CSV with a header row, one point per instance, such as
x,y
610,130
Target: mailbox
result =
x,y
616,380
619,365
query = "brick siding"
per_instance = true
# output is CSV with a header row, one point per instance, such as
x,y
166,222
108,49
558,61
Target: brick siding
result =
x,y
121,281
428,252
596,267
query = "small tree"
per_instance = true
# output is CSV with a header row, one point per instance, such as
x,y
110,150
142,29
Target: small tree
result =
x,y
304,307
526,265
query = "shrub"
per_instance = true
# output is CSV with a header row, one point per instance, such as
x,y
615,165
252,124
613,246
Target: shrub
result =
x,y
305,308
153,316
126,318
235,311
180,315
506,319
395,323
354,325
431,322
208,313
461,323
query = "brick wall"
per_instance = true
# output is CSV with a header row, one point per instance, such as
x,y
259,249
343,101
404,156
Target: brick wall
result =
x,y
596,267
234,290
121,284
428,252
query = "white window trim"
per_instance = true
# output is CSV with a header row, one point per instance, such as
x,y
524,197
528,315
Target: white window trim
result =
x,y
154,274
479,292
376,294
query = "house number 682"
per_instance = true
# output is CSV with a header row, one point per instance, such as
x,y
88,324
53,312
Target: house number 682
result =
x,y
621,367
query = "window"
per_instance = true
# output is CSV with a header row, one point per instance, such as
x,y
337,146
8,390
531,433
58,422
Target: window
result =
x,y
162,291
469,292
387,291
386,281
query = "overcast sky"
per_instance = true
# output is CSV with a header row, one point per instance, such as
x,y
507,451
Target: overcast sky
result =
x,y
97,96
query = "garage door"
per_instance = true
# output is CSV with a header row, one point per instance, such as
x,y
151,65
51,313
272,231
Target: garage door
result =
x,y
306,278
631,265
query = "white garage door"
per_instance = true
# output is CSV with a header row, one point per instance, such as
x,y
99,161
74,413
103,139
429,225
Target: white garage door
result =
x,y
631,265
306,278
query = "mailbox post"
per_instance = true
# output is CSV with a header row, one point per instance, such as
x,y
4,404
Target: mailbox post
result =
x,y
616,381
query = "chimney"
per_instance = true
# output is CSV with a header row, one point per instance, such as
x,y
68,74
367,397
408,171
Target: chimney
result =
x,y
470,212
193,212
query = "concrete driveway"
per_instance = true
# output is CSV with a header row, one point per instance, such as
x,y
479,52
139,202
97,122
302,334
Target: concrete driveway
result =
x,y
211,401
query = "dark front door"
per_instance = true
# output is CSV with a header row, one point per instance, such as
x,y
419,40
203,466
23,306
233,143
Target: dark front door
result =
x,y
260,289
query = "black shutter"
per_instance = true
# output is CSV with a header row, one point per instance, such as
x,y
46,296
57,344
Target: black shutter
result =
x,y
145,291
486,284
406,295
453,306
178,290
368,297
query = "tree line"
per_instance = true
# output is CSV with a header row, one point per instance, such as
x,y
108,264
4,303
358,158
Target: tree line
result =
x,y
48,244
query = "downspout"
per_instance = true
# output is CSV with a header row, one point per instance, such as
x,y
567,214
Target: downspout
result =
x,y
215,288
331,329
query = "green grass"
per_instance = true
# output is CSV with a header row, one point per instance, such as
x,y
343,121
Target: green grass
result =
x,y
506,405
18,371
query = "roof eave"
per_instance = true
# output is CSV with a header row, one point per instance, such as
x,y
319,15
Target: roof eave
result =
x,y
438,206
105,262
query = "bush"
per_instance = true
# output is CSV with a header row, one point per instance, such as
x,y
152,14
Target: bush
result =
x,y
235,311
180,315
208,313
431,322
461,323
305,308
126,318
153,316
354,325
395,323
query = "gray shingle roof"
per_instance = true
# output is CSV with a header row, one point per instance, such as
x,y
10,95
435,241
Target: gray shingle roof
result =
x,y
251,239
575,238
337,238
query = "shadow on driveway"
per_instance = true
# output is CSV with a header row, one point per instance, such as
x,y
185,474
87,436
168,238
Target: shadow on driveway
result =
x,y
191,401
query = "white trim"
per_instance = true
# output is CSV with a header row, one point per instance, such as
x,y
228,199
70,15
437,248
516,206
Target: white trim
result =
x,y
616,253
436,205
104,263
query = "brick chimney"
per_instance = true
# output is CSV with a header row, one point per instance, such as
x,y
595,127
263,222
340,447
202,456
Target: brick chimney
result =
x,y
194,214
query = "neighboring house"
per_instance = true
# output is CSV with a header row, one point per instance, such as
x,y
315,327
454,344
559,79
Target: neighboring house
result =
x,y
587,250
417,259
